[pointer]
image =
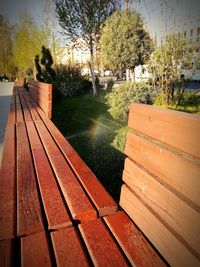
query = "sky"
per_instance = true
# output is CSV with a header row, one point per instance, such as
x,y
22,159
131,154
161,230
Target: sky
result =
x,y
156,13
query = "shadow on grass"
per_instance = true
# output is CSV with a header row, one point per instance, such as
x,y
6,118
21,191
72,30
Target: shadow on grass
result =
x,y
90,129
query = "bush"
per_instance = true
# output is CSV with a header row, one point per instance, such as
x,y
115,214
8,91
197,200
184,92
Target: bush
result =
x,y
110,84
120,98
70,82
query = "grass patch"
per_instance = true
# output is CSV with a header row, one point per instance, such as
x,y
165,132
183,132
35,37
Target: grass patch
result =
x,y
98,139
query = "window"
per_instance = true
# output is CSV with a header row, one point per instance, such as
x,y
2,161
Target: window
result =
x,y
198,31
191,32
197,39
184,33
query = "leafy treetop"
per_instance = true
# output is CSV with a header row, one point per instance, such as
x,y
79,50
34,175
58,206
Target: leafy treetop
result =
x,y
124,41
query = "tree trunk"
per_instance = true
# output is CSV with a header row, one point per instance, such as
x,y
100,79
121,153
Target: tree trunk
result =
x,y
91,66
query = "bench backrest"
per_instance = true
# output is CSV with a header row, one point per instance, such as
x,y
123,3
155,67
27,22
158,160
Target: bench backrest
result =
x,y
162,181
41,93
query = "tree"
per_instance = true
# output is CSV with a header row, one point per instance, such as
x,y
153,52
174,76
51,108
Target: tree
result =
x,y
6,46
166,63
28,42
124,42
51,30
45,71
82,20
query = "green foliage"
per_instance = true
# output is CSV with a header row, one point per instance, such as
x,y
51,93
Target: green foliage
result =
x,y
165,65
44,67
121,97
70,82
190,102
120,139
28,42
6,45
110,84
124,42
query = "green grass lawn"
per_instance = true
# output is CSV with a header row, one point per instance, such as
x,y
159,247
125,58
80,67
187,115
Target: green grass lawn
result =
x,y
98,139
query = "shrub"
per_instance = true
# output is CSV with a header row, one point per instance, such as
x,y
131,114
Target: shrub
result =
x,y
110,84
70,82
120,98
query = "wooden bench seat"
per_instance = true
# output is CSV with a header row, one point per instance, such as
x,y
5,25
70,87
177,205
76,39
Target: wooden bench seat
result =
x,y
54,211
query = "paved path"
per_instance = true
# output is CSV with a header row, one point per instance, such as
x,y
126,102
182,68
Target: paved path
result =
x,y
5,98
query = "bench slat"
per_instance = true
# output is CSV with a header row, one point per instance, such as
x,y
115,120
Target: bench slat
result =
x,y
183,175
178,129
29,216
11,115
173,210
19,117
100,197
34,114
135,246
100,244
8,186
26,112
55,209
161,237
68,248
35,251
6,253
77,200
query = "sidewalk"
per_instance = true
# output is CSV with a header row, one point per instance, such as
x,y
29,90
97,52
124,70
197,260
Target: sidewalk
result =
x,y
6,89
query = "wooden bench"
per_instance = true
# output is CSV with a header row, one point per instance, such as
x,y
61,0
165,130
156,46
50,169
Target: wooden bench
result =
x,y
162,181
53,210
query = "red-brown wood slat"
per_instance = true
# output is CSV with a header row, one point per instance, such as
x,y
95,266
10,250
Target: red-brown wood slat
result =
x,y
45,87
33,111
77,200
11,115
19,114
46,106
26,112
183,175
6,253
39,110
137,249
42,94
173,210
54,206
68,248
100,197
178,129
173,250
8,186
101,246
35,251
29,216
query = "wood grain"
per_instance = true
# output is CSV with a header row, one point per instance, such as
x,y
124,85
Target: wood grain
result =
x,y
35,251
29,216
68,248
76,199
8,186
167,244
100,244
173,210
178,129
180,174
131,240
54,206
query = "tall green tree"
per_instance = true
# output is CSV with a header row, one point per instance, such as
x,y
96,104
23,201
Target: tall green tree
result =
x,y
6,46
125,43
28,42
82,21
